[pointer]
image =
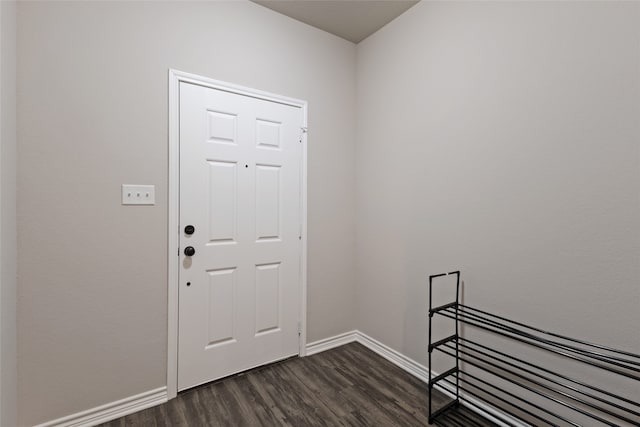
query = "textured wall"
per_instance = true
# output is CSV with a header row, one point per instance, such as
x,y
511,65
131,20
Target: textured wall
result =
x,y
8,213
501,139
93,112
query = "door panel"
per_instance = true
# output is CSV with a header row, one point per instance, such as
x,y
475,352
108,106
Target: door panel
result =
x,y
267,298
222,285
223,194
268,202
239,296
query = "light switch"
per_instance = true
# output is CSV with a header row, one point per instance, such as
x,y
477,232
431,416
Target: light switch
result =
x,y
138,194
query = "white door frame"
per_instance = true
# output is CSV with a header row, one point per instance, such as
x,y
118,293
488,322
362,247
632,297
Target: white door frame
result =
x,y
175,78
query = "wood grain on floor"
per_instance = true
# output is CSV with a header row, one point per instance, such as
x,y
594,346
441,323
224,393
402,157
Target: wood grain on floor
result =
x,y
346,386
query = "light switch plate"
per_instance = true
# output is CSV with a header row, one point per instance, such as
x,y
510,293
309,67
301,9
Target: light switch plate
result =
x,y
138,194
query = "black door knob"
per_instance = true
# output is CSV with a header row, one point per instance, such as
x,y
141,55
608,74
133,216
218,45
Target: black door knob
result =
x,y
189,229
189,251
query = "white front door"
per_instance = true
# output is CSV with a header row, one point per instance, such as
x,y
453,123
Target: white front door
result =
x,y
240,189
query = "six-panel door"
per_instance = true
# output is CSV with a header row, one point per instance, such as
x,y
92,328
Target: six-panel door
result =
x,y
239,297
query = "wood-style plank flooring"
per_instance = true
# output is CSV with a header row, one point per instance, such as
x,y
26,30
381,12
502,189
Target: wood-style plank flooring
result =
x,y
346,386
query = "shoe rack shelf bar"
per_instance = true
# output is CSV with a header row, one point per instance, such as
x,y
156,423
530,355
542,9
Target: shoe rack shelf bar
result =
x,y
522,387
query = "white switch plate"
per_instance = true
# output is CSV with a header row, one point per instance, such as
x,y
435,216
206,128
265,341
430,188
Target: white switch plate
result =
x,y
138,194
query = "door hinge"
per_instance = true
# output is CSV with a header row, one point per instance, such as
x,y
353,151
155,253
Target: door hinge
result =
x,y
304,130
299,328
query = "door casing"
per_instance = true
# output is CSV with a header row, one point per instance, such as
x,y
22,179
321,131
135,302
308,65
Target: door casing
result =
x,y
173,258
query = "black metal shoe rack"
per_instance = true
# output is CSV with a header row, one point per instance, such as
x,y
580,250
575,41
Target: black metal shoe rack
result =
x,y
521,387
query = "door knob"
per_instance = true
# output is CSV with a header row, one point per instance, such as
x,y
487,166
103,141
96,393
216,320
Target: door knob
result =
x,y
189,251
189,230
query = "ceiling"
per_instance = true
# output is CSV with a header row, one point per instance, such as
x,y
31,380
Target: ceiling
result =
x,y
353,20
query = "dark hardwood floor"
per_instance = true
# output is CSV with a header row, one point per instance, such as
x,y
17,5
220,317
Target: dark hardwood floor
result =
x,y
345,386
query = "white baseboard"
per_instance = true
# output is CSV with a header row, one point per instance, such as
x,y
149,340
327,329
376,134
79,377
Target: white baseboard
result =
x,y
331,342
111,411
412,367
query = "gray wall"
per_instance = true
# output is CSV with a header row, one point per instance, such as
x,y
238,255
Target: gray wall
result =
x,y
92,111
8,213
501,139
